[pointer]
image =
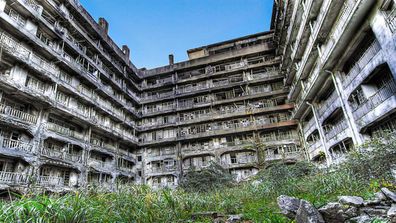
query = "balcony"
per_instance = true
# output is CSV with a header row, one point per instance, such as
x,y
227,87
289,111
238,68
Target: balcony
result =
x,y
309,126
225,68
338,29
17,145
13,178
307,5
100,164
64,131
315,30
126,169
21,21
241,162
158,83
75,158
33,5
314,148
161,170
219,129
264,75
283,156
50,181
18,50
329,105
157,96
331,131
161,167
390,18
373,50
388,91
12,46
24,116
279,136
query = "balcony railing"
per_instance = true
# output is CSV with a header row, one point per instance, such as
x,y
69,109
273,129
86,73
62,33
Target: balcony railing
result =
x,y
33,4
50,181
126,169
7,110
13,178
162,169
313,147
159,82
220,128
372,102
361,63
61,155
17,145
333,130
17,49
196,166
279,136
21,21
315,28
390,18
240,161
267,74
329,104
287,155
99,163
308,126
64,131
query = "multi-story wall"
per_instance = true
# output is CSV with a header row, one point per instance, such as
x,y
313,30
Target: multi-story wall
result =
x,y
75,112
219,106
339,61
68,103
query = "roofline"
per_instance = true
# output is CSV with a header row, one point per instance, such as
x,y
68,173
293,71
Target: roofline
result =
x,y
230,41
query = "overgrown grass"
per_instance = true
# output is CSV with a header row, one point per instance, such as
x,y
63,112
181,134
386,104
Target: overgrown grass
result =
x,y
362,175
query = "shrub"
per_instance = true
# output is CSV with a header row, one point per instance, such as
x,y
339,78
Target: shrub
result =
x,y
279,174
374,160
207,179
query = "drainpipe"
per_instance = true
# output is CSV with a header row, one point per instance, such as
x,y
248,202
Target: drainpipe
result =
x,y
321,134
355,134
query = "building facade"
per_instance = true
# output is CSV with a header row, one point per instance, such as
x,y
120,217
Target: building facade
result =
x,y
339,61
76,113
226,104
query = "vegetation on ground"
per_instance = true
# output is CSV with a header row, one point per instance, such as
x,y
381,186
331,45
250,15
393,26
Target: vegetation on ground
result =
x,y
361,174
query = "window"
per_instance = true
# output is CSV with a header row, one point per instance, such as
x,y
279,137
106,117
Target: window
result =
x,y
357,97
233,158
139,158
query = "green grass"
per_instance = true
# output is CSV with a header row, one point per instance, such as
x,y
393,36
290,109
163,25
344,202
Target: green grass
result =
x,y
141,204
361,175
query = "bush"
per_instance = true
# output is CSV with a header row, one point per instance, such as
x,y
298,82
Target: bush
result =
x,y
279,174
374,161
207,179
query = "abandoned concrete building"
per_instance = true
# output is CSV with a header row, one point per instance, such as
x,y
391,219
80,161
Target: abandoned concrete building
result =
x,y
76,113
339,61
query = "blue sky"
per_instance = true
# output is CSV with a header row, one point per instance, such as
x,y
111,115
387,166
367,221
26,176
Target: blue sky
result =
x,y
155,28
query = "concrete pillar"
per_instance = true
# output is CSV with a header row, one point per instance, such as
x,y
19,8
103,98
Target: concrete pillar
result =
x,y
104,25
303,142
40,129
171,59
346,108
386,38
322,136
2,5
179,159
